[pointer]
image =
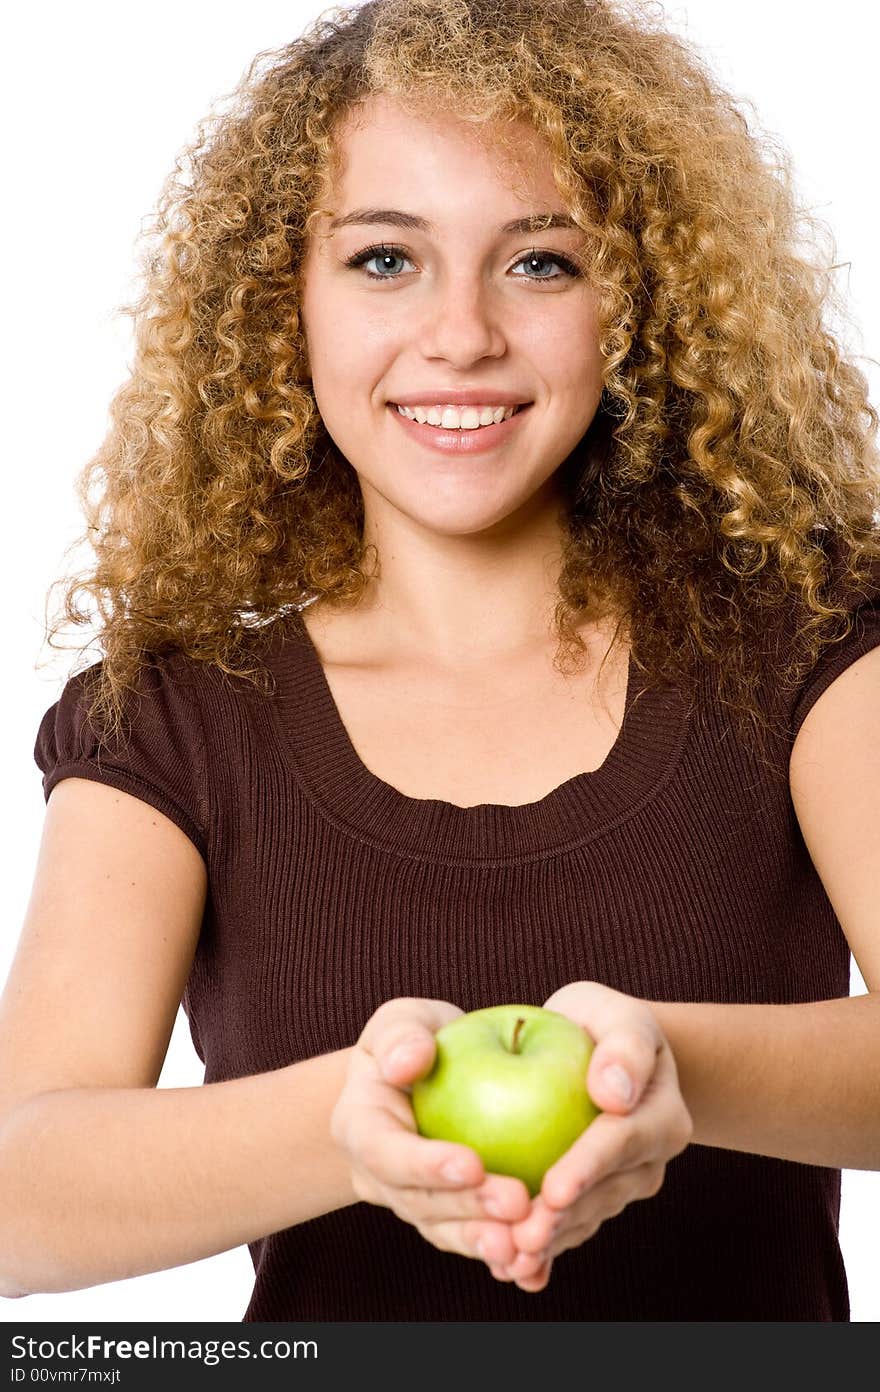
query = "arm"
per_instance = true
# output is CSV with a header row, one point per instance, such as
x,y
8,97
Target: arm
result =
x,y
794,1081
801,1081
101,1184
102,1174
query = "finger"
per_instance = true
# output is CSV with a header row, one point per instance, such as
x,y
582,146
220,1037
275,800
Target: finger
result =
x,y
656,1129
528,1264
607,1201
389,1147
487,1242
403,1057
540,1225
484,1202
588,1189
608,1150
531,1281
407,1024
597,1006
604,1012
499,1197
538,1280
582,1220
378,1130
622,1065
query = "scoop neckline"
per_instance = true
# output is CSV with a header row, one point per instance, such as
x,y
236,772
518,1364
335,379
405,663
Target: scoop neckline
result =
x,y
315,740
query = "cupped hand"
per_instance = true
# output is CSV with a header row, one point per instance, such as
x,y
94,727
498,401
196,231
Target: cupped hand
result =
x,y
441,1188
622,1155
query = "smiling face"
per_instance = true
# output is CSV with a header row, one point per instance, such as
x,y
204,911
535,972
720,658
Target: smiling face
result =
x,y
450,301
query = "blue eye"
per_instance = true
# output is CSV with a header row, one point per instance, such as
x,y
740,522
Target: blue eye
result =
x,y
568,267
384,252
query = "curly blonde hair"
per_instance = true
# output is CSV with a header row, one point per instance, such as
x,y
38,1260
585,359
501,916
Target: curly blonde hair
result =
x,y
731,462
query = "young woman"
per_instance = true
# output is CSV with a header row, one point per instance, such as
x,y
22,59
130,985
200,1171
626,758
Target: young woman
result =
x,y
488,540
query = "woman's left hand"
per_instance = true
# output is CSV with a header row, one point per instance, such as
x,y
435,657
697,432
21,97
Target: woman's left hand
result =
x,y
622,1154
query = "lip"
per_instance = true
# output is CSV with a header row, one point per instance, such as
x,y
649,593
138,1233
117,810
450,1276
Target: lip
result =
x,y
459,442
465,396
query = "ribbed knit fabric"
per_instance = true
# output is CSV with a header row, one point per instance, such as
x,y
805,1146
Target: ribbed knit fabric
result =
x,y
675,872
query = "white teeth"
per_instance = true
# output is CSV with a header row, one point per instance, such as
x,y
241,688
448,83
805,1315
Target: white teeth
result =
x,y
458,418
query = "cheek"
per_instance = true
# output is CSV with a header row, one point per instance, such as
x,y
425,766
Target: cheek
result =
x,y
349,354
579,360
345,430
566,350
582,366
341,376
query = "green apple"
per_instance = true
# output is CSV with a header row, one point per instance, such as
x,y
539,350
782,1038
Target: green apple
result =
x,y
510,1082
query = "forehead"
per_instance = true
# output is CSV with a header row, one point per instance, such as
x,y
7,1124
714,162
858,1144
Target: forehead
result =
x,y
382,148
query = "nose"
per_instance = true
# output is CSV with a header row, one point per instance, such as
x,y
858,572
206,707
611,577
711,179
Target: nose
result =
x,y
461,324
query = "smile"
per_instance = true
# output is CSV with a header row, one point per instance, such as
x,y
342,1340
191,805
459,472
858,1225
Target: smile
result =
x,y
463,437
458,417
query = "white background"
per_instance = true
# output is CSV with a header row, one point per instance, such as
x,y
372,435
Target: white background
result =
x,y
99,99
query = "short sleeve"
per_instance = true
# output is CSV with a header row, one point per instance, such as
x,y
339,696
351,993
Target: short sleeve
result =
x,y
158,756
834,658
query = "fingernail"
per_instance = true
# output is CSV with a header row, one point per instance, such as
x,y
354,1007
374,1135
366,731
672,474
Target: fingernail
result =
x,y
618,1081
403,1054
454,1170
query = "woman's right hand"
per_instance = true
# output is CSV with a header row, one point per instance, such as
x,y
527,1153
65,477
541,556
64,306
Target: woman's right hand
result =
x,y
395,1167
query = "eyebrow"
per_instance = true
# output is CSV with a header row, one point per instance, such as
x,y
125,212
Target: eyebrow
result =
x,y
534,222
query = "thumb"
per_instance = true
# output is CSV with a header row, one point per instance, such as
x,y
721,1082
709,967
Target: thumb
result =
x,y
405,1021
620,1069
406,1056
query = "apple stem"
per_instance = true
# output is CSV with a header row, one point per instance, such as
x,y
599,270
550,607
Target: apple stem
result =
x,y
517,1027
